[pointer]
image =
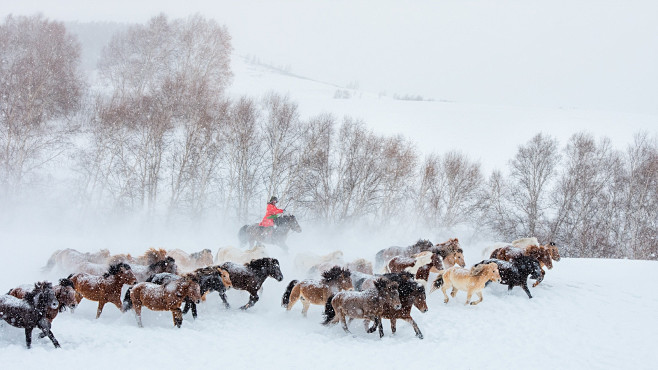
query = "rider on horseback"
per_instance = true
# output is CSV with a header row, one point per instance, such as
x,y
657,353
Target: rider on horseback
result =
x,y
271,213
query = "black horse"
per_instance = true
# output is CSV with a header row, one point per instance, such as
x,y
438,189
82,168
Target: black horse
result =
x,y
251,234
30,312
515,273
251,276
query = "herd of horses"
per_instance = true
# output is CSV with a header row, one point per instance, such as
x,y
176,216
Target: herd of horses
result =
x,y
162,280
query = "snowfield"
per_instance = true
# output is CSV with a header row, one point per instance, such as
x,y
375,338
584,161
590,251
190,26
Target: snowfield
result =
x,y
588,313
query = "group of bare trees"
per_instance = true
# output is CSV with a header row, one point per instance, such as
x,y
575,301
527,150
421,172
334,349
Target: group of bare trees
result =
x,y
160,138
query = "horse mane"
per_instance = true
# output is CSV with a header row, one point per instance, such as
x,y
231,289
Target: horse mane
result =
x,y
39,287
167,260
64,282
152,256
406,283
335,273
261,263
478,270
384,283
114,269
423,242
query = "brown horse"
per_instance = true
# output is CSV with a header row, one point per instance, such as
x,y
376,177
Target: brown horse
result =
x,y
316,292
451,253
166,297
64,293
472,281
188,262
541,254
103,289
411,294
368,304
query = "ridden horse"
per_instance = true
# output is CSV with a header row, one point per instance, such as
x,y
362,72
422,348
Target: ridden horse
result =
x,y
368,304
103,289
192,261
411,294
515,273
251,276
316,292
472,281
386,254
251,234
541,254
64,293
409,264
30,311
71,259
233,254
166,297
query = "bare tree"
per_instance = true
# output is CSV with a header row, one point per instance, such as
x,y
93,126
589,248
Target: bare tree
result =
x,y
40,83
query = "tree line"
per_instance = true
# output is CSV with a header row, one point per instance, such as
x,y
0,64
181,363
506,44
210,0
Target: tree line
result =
x,y
154,133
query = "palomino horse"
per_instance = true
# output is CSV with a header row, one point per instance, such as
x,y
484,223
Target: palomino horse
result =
x,y
64,293
103,289
515,273
411,294
251,276
472,281
30,312
541,254
192,261
368,304
233,254
277,235
316,292
386,254
166,297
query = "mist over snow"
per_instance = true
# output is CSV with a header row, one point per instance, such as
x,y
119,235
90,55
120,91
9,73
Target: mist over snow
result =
x,y
477,76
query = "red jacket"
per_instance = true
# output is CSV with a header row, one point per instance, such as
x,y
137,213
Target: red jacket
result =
x,y
271,210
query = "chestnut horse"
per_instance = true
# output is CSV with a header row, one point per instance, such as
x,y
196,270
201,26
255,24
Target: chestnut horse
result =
x,y
472,281
316,292
30,312
166,297
64,293
251,276
103,289
368,304
411,294
188,262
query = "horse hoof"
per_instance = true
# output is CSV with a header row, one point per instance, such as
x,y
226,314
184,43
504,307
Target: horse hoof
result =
x,y
420,336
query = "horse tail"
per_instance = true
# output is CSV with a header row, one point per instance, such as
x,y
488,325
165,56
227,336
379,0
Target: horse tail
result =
x,y
51,262
329,312
242,235
127,302
438,283
286,295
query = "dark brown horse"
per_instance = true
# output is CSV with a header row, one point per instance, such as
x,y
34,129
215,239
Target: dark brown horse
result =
x,y
30,312
411,294
541,254
103,289
64,292
166,297
368,304
251,276
316,292
277,235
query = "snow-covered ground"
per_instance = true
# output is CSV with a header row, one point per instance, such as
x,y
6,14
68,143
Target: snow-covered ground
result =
x,y
598,314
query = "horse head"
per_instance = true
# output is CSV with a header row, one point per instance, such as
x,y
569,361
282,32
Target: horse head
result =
x,y
388,291
553,251
190,289
168,264
288,221
267,266
44,296
123,272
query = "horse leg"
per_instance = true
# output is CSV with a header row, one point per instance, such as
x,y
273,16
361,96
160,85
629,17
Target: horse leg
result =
x,y
101,304
138,314
443,289
222,295
469,293
526,290
45,328
28,337
542,277
295,294
411,321
178,317
366,325
306,305
453,293
253,298
378,320
342,321
393,325
479,293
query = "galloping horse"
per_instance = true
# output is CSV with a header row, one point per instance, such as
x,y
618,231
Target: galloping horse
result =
x,y
254,233
316,292
30,312
251,276
103,289
167,297
64,292
472,281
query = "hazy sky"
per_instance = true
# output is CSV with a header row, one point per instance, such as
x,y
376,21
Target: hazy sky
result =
x,y
592,54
